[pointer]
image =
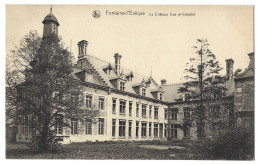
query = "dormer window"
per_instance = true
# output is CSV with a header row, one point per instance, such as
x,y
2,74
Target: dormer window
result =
x,y
186,97
161,96
122,86
143,92
107,69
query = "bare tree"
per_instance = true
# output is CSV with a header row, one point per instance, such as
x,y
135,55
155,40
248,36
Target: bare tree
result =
x,y
45,91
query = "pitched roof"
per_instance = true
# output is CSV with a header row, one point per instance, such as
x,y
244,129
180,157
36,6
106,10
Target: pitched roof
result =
x,y
171,91
99,65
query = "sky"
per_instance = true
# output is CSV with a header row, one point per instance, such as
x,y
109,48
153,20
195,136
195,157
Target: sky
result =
x,y
161,45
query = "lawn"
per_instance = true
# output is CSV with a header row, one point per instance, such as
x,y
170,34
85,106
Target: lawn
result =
x,y
110,150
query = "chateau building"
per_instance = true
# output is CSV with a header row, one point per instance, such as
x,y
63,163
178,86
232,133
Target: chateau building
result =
x,y
133,106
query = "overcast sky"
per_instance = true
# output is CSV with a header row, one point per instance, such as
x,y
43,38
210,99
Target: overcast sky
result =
x,y
163,43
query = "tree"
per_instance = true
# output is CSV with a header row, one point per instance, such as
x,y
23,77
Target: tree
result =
x,y
204,87
45,93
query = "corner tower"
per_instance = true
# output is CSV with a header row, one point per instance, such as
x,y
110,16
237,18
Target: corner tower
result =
x,y
51,24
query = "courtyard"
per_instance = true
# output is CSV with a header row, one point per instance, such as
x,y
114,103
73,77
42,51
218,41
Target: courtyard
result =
x,y
155,150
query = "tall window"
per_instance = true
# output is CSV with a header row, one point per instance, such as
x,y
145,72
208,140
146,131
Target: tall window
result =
x,y
88,127
150,111
143,110
58,125
161,96
114,105
130,129
114,127
137,109
155,132
174,113
121,128
165,130
101,126
186,111
150,129
101,102
122,107
122,86
88,101
130,108
143,92
156,112
186,131
74,127
165,113
26,129
137,129
173,131
143,131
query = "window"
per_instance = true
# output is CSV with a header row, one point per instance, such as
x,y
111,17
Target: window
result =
x,y
143,92
101,126
114,127
156,112
165,113
88,101
150,129
144,110
122,107
26,129
155,130
137,129
174,113
130,129
137,109
122,86
130,108
143,131
173,132
101,101
113,105
150,111
186,111
161,96
186,97
165,130
121,128
186,131
88,127
74,127
58,125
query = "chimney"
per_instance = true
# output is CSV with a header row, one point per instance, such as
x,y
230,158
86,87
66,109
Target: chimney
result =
x,y
117,63
252,60
229,68
163,81
82,45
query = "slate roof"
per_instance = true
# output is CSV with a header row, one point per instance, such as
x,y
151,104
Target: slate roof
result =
x,y
51,17
99,65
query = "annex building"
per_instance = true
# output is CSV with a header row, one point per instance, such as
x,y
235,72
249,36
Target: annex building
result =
x,y
133,106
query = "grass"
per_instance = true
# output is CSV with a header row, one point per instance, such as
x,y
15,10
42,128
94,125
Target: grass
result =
x,y
109,150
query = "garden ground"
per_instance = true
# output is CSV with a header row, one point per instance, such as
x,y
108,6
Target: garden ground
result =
x,y
177,150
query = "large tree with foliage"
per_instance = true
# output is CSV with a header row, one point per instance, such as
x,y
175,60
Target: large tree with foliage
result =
x,y
42,91
204,88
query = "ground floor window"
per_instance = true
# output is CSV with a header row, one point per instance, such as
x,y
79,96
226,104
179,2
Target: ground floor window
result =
x,y
186,131
88,127
58,125
155,130
143,133
173,131
74,127
101,126
130,129
114,127
137,129
150,129
26,128
165,130
121,128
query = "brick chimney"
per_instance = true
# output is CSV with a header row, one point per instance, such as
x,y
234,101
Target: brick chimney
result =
x,y
82,45
163,82
229,68
252,60
118,63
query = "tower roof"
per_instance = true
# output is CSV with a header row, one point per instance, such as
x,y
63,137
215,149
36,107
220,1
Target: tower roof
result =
x,y
50,18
